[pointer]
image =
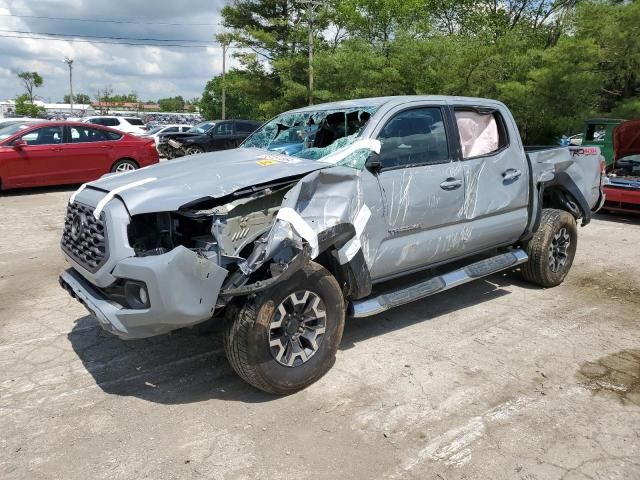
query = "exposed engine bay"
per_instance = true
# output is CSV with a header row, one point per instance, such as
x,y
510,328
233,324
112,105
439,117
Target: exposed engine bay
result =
x,y
233,230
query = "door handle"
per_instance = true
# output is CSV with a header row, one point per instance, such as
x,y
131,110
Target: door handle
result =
x,y
451,183
510,175
56,149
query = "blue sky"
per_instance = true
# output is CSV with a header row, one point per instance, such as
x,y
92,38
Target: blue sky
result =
x,y
152,72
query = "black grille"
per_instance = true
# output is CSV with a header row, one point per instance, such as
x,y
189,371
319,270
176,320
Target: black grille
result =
x,y
84,237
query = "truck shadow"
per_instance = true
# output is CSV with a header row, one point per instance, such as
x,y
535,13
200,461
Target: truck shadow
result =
x,y
189,366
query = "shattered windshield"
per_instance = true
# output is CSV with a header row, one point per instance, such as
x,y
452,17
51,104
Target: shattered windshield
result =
x,y
316,135
203,127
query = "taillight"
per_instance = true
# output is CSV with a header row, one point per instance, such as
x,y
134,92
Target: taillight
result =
x,y
151,148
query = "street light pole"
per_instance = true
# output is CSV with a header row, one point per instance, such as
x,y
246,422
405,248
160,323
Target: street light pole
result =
x,y
69,62
224,86
312,4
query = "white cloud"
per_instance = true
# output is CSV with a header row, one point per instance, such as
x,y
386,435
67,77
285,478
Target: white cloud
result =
x,y
152,72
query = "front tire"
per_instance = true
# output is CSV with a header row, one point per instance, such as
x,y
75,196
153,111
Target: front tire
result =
x,y
124,165
194,150
552,249
286,338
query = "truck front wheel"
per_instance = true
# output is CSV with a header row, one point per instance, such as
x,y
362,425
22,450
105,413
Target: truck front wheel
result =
x,y
286,338
551,249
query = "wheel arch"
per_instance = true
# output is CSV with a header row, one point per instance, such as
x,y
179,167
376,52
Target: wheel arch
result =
x,y
562,193
125,158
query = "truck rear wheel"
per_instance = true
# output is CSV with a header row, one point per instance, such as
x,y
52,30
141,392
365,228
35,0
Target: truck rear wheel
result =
x,y
551,249
286,338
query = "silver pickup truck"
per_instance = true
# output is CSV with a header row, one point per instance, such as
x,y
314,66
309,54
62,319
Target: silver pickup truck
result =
x,y
329,211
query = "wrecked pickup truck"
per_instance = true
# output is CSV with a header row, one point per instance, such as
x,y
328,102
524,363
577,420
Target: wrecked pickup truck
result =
x,y
386,201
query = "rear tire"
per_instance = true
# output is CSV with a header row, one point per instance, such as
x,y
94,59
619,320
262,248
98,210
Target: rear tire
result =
x,y
552,249
124,165
286,338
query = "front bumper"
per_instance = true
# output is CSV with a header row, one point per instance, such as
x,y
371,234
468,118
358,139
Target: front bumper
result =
x,y
182,287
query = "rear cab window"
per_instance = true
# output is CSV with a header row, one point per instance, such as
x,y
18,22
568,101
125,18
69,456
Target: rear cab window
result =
x,y
596,133
481,131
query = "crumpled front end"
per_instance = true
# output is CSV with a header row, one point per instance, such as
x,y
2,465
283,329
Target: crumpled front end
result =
x,y
133,294
144,273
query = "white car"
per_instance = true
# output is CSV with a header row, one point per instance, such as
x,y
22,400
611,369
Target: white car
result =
x,y
10,121
155,132
131,125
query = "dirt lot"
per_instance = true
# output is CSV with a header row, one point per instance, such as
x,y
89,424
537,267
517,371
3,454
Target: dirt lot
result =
x,y
491,380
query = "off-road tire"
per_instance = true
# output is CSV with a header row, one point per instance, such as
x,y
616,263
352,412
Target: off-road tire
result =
x,y
247,333
538,269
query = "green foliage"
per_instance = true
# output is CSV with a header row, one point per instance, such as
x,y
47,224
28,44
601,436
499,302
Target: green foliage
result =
x,y
248,93
31,81
26,108
79,98
172,104
552,62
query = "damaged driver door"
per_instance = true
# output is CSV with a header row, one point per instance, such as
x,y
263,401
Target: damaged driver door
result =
x,y
417,192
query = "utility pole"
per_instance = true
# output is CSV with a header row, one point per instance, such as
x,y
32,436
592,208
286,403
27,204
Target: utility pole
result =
x,y
224,86
69,61
224,39
311,12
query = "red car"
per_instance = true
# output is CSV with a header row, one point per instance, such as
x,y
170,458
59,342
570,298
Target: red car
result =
x,y
56,153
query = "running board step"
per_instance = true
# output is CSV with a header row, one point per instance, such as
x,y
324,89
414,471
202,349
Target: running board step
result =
x,y
399,296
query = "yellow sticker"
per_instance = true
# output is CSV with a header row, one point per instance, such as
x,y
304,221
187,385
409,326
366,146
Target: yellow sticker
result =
x,y
266,162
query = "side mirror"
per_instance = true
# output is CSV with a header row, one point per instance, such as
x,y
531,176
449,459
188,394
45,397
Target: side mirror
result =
x,y
19,144
374,162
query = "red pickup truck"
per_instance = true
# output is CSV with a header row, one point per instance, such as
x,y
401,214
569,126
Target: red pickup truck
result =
x,y
623,183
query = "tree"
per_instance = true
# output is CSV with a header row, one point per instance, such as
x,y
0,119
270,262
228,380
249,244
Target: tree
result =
x,y
171,104
554,62
31,81
248,94
80,99
26,108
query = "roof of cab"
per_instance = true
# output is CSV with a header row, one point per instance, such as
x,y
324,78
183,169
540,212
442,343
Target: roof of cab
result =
x,y
393,100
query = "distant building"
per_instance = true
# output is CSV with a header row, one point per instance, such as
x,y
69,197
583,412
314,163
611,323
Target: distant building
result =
x,y
78,109
8,108
107,107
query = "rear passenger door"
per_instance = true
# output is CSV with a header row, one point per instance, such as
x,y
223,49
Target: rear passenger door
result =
x,y
418,194
243,130
223,136
496,176
87,152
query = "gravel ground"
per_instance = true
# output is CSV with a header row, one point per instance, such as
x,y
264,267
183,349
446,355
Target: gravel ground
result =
x,y
495,379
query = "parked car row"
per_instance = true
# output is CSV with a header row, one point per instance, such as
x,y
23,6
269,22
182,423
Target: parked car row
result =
x,y
206,137
35,152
